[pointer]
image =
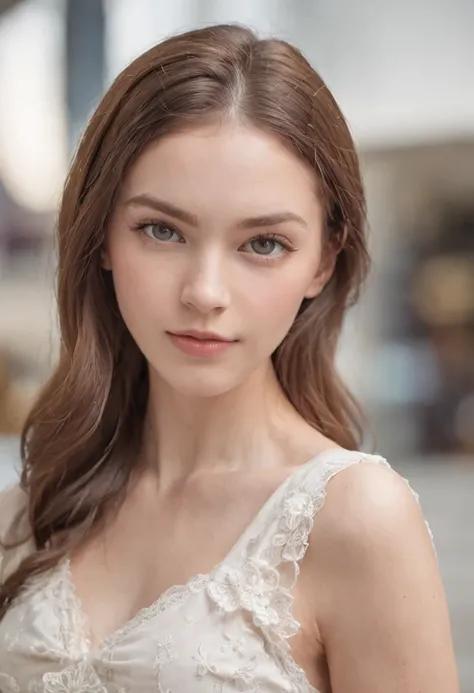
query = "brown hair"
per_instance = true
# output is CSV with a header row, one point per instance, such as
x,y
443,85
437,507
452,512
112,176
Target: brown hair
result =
x,y
81,437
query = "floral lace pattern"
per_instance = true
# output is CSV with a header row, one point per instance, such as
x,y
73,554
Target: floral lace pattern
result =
x,y
166,655
241,679
296,523
79,678
255,587
244,675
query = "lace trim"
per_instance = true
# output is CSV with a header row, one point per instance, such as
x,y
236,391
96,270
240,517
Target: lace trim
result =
x,y
173,596
417,498
74,629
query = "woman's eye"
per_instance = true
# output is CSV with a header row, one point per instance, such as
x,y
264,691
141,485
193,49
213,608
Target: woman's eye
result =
x,y
161,232
266,246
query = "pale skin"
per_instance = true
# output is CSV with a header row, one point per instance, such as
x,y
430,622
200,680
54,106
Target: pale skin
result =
x,y
220,436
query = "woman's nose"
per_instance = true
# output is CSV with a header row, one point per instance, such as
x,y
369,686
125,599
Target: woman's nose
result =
x,y
205,287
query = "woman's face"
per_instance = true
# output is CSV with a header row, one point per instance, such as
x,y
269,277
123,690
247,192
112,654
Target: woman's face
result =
x,y
217,230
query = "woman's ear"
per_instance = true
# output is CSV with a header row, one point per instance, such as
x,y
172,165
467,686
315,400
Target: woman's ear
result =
x,y
328,264
321,279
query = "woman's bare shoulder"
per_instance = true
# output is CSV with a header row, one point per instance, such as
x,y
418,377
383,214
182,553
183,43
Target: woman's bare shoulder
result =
x,y
367,504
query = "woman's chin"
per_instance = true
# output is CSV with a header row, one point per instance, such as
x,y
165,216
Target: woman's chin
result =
x,y
205,385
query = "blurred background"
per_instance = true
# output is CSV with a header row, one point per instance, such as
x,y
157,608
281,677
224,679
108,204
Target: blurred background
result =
x,y
402,73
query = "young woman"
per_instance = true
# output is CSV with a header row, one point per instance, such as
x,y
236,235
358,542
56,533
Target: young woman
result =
x,y
168,533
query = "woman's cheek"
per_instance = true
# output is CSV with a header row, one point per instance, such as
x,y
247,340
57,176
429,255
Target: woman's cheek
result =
x,y
275,309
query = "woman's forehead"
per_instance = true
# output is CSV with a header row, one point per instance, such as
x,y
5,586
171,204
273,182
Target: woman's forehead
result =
x,y
227,167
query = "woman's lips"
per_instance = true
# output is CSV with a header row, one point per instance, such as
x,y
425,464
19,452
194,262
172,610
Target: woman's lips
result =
x,y
195,345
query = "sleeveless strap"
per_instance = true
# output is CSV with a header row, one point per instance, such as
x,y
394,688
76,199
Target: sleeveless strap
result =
x,y
286,539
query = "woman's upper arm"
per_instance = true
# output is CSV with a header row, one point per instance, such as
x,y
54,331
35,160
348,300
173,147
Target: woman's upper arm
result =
x,y
380,602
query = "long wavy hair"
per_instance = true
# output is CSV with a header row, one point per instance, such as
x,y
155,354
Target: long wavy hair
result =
x,y
82,436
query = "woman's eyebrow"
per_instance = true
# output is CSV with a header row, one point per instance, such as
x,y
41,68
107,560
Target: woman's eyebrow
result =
x,y
171,210
272,220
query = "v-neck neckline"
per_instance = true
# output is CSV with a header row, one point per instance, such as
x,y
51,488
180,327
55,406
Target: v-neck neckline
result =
x,y
81,619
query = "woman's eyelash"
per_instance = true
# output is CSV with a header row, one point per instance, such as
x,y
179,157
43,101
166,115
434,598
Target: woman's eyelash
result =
x,y
272,237
143,224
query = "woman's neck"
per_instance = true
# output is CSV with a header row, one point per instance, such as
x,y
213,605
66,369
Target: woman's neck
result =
x,y
242,429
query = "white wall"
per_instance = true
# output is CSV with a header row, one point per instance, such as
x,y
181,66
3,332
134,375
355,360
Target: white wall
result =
x,y
401,71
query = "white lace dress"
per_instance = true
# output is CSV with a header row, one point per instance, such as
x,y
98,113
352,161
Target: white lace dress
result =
x,y
227,631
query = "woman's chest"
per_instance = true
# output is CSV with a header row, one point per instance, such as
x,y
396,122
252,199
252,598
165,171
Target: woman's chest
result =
x,y
209,635
153,544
